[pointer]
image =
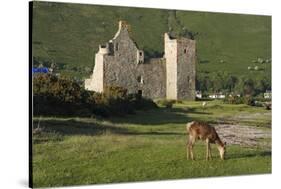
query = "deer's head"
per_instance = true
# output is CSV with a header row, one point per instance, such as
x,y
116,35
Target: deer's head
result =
x,y
222,150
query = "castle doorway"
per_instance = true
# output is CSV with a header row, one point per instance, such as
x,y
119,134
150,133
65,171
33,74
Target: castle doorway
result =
x,y
140,93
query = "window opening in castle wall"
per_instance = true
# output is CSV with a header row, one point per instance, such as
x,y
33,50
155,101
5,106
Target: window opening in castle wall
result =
x,y
140,79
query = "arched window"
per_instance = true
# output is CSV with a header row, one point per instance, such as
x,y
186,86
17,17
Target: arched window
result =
x,y
140,57
189,80
140,79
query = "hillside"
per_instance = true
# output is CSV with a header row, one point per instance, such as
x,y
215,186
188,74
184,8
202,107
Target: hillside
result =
x,y
69,35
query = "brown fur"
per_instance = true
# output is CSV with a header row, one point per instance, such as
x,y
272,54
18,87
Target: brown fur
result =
x,y
203,131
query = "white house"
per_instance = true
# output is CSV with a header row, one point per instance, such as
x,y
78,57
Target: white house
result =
x,y
217,96
267,94
198,94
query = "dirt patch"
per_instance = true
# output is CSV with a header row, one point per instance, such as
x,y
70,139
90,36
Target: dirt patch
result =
x,y
233,130
244,135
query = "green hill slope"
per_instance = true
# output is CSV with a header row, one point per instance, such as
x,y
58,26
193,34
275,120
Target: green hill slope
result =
x,y
69,35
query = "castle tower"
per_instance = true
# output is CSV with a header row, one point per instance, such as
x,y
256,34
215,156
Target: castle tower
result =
x,y
180,68
96,81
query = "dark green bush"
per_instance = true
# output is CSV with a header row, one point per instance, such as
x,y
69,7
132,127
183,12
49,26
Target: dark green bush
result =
x,y
141,103
179,101
249,100
268,105
65,97
233,100
166,103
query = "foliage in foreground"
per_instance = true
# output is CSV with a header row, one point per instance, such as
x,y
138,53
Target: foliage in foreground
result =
x,y
53,95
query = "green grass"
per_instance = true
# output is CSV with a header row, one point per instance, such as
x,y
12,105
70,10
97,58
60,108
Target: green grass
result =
x,y
117,158
147,146
69,34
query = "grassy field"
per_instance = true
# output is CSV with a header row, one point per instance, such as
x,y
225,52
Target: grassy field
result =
x,y
69,35
149,145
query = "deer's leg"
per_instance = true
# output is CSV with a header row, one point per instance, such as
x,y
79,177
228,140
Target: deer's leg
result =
x,y
187,148
210,154
207,149
190,147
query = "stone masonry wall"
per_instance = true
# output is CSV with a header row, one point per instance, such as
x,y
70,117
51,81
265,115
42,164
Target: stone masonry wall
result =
x,y
186,69
171,67
121,66
95,82
154,78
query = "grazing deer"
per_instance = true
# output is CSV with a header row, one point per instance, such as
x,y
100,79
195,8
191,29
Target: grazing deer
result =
x,y
203,131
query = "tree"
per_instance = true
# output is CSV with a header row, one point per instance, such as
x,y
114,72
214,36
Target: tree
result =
x,y
263,84
249,87
231,81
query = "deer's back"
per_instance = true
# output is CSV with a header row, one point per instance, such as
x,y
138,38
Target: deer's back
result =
x,y
203,131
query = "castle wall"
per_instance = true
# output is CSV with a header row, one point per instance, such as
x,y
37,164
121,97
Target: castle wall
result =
x,y
149,77
125,67
122,66
186,69
154,78
171,67
95,82
119,73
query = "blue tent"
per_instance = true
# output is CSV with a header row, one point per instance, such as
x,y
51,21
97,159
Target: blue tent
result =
x,y
40,70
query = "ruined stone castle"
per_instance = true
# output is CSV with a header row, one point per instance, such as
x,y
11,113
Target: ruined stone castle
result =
x,y
121,63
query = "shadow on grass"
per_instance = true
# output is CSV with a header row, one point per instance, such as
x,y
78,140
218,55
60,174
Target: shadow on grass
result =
x,y
190,110
74,127
249,155
154,133
159,116
55,130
